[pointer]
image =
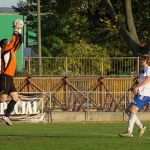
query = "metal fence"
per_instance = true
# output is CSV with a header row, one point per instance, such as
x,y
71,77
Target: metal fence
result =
x,y
85,101
89,101
80,93
74,101
84,66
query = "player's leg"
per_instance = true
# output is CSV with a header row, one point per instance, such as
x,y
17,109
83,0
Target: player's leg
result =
x,y
132,118
131,121
3,98
141,101
142,128
10,88
11,104
137,104
137,121
3,90
10,107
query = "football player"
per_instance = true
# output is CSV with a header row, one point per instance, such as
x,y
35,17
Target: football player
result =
x,y
141,98
8,67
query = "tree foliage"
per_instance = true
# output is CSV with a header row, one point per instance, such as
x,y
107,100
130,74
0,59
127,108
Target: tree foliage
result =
x,y
78,58
125,18
110,24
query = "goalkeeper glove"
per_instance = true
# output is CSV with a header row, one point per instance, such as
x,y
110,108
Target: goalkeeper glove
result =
x,y
17,26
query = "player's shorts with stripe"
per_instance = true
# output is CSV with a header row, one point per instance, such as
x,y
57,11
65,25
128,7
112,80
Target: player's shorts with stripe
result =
x,y
6,84
140,101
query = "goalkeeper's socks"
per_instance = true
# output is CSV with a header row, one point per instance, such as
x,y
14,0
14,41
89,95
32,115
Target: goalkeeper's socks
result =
x,y
10,108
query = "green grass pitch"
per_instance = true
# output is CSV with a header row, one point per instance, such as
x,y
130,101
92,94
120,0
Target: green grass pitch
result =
x,y
77,136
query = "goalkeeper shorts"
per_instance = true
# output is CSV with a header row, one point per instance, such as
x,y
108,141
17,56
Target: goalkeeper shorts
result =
x,y
6,84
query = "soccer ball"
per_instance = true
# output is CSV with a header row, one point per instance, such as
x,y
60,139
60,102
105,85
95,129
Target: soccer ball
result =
x,y
18,24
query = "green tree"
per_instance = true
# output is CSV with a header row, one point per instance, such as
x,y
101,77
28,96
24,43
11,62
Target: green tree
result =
x,y
127,27
101,22
87,59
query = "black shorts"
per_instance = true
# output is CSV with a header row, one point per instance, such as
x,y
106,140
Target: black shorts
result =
x,y
6,84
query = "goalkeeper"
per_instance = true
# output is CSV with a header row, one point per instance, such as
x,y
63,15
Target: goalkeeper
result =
x,y
8,67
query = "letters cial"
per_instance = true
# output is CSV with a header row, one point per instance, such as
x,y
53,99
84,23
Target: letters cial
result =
x,y
22,108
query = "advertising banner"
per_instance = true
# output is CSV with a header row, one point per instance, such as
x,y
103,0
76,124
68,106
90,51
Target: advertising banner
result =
x,y
28,108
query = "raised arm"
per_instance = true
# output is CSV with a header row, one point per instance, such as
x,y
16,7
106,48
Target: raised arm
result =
x,y
17,35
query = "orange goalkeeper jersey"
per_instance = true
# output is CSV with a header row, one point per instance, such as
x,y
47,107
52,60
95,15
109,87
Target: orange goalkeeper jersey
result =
x,y
8,58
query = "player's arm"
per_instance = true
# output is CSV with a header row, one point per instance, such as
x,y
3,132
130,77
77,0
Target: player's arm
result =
x,y
18,43
17,35
144,82
135,83
13,42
